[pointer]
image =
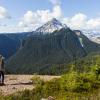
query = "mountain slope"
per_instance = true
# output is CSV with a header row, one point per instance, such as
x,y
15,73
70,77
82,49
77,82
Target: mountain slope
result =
x,y
87,44
44,52
11,42
8,46
41,52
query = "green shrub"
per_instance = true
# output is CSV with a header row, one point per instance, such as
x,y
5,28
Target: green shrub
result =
x,y
79,82
52,86
37,80
69,81
96,69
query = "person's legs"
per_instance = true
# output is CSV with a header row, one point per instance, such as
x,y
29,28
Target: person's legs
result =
x,y
2,74
0,77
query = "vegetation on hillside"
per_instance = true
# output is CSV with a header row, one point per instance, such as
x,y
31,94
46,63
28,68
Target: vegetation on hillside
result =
x,y
74,85
71,85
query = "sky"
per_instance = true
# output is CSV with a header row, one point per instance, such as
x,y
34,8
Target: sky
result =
x,y
27,15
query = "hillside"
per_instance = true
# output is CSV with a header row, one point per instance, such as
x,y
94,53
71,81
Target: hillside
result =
x,y
10,43
46,54
8,46
86,63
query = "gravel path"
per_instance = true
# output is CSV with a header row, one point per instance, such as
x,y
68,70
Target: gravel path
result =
x,y
15,83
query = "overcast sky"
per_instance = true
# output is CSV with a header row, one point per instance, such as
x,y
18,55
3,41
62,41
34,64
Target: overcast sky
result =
x,y
27,15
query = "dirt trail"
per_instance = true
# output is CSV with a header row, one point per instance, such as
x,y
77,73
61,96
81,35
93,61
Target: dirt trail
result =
x,y
15,83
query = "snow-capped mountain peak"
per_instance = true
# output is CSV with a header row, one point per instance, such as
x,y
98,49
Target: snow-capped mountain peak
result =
x,y
51,26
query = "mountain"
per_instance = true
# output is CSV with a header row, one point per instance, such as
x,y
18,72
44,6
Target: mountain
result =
x,y
46,53
87,43
51,51
93,36
8,46
10,43
51,26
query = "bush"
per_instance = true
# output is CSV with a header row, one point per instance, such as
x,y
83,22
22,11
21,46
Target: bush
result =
x,y
52,86
96,70
69,81
72,83
37,80
78,82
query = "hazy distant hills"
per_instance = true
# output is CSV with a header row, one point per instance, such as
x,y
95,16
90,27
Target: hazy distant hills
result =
x,y
10,43
8,46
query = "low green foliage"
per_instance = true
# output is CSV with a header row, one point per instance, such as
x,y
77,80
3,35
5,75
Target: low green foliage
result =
x,y
37,80
71,85
74,85
79,84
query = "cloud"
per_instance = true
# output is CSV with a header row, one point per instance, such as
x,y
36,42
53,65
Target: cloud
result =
x,y
77,21
93,24
28,19
55,2
31,20
82,22
15,29
4,13
40,16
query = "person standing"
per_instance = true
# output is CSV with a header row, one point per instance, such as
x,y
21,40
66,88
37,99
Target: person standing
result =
x,y
2,70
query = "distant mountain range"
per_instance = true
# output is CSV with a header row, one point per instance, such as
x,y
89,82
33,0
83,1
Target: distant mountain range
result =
x,y
8,46
46,49
93,36
10,43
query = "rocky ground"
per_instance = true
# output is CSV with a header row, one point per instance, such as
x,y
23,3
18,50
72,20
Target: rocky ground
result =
x,y
15,83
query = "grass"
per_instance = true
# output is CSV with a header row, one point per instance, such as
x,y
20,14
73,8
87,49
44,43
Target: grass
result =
x,y
71,86
74,85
